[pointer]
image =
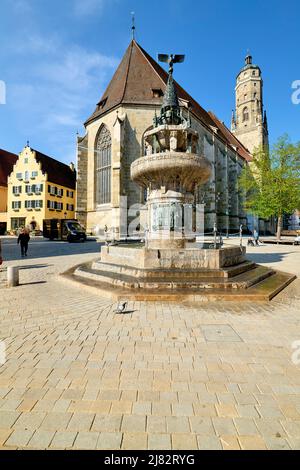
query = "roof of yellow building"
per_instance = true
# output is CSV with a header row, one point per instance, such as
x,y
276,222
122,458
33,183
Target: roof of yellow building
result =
x,y
7,161
58,172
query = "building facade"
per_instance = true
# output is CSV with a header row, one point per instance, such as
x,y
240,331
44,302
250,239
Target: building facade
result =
x,y
7,161
39,187
114,138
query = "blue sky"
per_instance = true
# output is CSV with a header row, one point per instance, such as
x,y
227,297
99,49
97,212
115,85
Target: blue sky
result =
x,y
57,57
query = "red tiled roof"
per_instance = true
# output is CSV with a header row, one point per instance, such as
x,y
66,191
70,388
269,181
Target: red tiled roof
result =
x,y
7,161
232,140
58,172
134,81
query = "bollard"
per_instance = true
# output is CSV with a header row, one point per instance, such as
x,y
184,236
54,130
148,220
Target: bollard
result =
x,y
12,276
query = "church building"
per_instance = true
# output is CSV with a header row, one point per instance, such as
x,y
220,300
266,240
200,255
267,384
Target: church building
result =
x,y
115,133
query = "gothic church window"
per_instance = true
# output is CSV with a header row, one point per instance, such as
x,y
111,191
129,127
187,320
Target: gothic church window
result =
x,y
103,166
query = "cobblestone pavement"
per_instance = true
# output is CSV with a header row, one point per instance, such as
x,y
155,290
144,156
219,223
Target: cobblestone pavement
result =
x,y
164,376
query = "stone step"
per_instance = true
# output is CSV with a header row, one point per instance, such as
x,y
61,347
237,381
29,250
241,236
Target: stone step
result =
x,y
228,272
252,277
162,281
264,291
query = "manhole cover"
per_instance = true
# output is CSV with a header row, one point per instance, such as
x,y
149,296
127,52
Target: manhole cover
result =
x,y
220,333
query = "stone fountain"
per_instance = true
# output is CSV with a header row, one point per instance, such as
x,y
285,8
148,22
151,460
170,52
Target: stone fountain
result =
x,y
170,265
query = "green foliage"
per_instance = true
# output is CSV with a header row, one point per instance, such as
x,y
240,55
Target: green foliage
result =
x,y
271,183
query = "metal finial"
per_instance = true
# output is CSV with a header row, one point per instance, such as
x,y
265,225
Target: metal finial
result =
x,y
133,25
171,59
27,144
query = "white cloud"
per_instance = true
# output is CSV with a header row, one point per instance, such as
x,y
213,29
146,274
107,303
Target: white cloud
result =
x,y
34,44
58,92
88,7
22,6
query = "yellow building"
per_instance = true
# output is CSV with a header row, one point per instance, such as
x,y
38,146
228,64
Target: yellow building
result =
x,y
7,161
39,188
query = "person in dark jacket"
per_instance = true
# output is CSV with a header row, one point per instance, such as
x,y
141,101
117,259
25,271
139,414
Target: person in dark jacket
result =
x,y
23,239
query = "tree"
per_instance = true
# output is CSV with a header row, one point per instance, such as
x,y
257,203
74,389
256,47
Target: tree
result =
x,y
270,184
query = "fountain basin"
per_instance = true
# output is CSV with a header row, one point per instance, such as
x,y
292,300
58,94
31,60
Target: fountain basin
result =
x,y
171,169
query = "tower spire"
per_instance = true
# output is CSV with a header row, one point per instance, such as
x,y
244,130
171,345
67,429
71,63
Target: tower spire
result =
x,y
133,25
248,58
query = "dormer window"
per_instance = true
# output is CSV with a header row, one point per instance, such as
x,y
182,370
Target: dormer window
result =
x,y
102,103
157,92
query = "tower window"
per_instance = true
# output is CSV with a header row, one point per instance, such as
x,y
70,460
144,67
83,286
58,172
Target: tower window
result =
x,y
245,97
245,114
254,95
253,73
254,83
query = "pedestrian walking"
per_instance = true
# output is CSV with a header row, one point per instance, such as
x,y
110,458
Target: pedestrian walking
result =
x,y
256,237
23,240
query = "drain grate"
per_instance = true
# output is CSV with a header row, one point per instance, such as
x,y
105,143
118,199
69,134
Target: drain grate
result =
x,y
220,333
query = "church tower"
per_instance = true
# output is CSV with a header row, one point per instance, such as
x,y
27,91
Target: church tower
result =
x,y
249,121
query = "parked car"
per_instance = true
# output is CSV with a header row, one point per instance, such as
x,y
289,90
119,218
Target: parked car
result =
x,y
63,229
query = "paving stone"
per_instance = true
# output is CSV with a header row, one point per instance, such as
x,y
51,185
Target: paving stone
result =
x,y
19,438
81,422
134,441
209,443
107,423
267,411
156,424
141,408
30,421
204,410
121,407
230,443
224,426
8,418
63,440
86,440
108,440
274,443
133,423
247,411
184,441
161,409
245,426
177,424
159,442
292,427
270,427
182,409
201,426
4,435
226,410
56,421
252,443
41,439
